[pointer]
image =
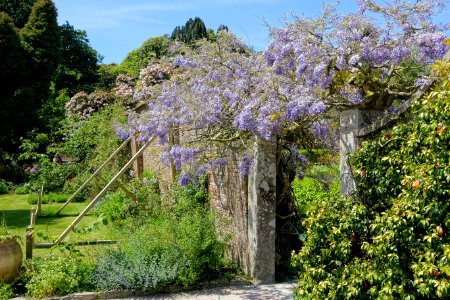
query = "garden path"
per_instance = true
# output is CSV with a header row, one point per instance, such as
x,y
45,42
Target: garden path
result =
x,y
276,291
236,290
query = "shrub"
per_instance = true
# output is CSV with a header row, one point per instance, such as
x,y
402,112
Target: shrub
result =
x,y
56,276
51,197
84,105
112,207
6,291
146,261
117,206
331,251
4,186
176,245
27,188
393,241
308,192
91,142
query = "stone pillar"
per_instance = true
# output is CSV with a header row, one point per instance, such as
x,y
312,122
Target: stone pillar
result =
x,y
351,122
262,212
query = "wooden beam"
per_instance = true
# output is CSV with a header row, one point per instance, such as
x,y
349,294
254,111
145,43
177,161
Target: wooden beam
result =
x,y
124,189
82,243
95,173
103,192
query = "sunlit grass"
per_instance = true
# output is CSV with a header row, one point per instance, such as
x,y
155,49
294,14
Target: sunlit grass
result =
x,y
15,210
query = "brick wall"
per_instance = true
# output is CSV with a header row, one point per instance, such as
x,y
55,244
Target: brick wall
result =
x,y
228,193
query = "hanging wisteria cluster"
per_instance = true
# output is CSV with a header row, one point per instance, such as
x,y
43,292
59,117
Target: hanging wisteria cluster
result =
x,y
221,94
365,58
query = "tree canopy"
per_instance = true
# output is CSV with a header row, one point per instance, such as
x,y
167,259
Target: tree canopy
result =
x,y
31,64
150,50
78,66
12,74
41,64
193,30
42,41
18,10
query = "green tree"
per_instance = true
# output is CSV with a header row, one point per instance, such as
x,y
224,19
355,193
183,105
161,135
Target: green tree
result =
x,y
42,42
12,72
137,59
78,65
18,10
193,30
222,27
27,73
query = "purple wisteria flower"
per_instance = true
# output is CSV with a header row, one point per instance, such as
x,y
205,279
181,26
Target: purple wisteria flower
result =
x,y
244,166
121,132
184,179
223,93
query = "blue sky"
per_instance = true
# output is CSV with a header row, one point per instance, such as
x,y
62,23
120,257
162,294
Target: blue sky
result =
x,y
115,27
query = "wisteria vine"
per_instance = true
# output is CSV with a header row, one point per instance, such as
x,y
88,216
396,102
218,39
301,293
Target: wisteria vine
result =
x,y
219,95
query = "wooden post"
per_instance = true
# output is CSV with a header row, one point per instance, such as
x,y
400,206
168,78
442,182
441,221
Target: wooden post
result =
x,y
123,187
39,202
29,236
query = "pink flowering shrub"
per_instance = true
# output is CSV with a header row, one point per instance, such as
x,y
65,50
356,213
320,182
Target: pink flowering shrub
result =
x,y
84,105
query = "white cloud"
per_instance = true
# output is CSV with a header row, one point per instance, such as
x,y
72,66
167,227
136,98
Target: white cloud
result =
x,y
109,14
97,15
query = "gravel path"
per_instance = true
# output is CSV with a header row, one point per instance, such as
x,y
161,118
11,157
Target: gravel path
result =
x,y
276,291
236,290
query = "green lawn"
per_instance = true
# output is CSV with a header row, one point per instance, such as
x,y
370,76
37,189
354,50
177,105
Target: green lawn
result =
x,y
16,211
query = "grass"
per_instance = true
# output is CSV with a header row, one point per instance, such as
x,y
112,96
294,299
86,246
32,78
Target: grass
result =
x,y
16,211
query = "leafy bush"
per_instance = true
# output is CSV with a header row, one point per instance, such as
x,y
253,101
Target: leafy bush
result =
x,y
147,260
54,176
4,186
51,197
84,105
308,192
27,188
56,276
6,291
116,207
112,207
176,245
393,241
91,142
331,252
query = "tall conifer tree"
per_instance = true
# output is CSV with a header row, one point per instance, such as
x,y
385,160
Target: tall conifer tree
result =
x,y
42,41
11,77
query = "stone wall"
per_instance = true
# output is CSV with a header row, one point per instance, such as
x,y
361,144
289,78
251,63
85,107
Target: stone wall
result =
x,y
250,233
228,192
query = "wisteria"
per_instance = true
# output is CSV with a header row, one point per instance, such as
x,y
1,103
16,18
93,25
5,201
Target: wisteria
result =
x,y
244,166
218,95
353,60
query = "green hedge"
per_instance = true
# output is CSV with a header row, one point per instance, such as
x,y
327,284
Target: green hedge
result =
x,y
393,241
